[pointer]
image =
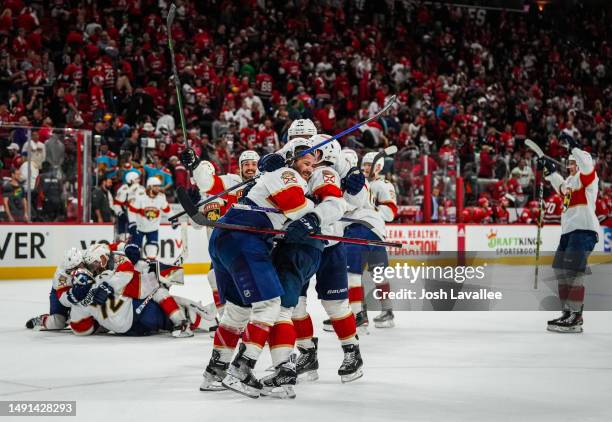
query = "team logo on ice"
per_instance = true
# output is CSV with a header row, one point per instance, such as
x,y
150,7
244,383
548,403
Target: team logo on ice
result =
x,y
288,177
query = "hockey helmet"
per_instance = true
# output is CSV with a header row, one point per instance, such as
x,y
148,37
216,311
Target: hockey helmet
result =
x,y
247,155
153,181
72,259
369,159
330,152
297,145
301,128
350,156
96,256
131,177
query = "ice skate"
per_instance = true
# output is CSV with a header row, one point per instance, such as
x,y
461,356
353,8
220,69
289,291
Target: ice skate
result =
x,y
307,363
37,323
182,330
280,383
362,322
570,324
240,377
214,373
385,319
352,365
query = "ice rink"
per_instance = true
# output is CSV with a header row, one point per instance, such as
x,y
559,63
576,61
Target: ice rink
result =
x,y
434,366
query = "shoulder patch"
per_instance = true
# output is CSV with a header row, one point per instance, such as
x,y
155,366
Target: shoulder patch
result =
x,y
288,177
329,177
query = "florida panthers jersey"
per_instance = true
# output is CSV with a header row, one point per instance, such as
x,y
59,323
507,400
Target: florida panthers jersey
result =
x,y
116,315
380,208
285,190
133,192
148,210
120,202
62,282
579,194
211,184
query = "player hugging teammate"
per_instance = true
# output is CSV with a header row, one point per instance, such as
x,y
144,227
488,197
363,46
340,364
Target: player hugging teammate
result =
x,y
579,228
263,280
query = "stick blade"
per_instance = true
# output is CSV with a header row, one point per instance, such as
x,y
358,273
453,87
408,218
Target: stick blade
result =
x,y
534,147
171,15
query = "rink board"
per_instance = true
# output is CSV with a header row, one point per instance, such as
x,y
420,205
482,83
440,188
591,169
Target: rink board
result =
x,y
34,250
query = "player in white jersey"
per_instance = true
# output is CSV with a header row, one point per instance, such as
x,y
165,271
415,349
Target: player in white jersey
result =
x,y
120,205
134,190
579,232
122,277
208,183
149,209
378,210
246,277
57,318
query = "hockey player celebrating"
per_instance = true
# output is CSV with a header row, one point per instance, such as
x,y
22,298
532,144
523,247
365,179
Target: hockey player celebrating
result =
x,y
381,208
579,226
208,183
128,196
149,209
124,279
247,279
124,195
57,318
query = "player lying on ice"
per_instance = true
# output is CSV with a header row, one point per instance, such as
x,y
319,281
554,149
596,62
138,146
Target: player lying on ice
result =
x,y
98,286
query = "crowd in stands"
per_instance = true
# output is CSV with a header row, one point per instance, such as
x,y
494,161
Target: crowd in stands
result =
x,y
471,88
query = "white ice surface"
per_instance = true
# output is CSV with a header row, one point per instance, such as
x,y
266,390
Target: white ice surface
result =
x,y
434,366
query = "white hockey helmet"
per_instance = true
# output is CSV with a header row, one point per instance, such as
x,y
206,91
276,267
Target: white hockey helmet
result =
x,y
571,157
248,155
351,156
302,128
72,259
153,181
131,177
369,158
330,152
298,144
96,256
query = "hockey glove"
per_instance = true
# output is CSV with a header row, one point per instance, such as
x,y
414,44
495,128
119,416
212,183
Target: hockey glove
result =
x,y
270,162
548,165
353,182
190,159
569,142
300,229
80,289
101,293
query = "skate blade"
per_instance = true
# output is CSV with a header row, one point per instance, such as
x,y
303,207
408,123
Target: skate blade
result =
x,y
385,324
328,328
308,376
352,377
282,392
232,383
556,329
215,386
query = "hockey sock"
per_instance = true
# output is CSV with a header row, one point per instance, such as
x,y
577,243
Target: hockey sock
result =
x,y
303,325
230,328
342,319
282,337
54,322
563,286
576,292
169,306
212,280
384,289
263,316
355,292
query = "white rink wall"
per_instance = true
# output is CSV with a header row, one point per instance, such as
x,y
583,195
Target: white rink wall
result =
x,y
33,250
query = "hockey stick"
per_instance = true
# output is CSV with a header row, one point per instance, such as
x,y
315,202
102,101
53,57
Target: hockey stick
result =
x,y
177,82
536,148
146,301
199,219
245,207
290,160
387,152
539,234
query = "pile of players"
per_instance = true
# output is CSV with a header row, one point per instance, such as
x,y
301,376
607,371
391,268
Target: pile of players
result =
x,y
111,288
260,282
